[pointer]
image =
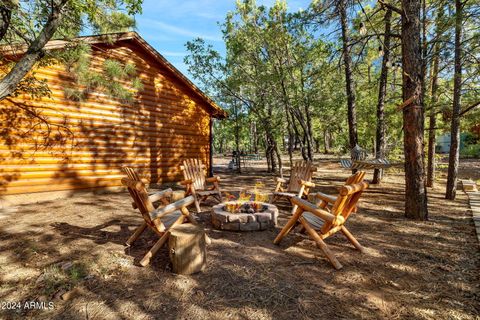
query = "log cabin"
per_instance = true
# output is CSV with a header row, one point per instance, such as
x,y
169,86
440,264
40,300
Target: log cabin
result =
x,y
51,142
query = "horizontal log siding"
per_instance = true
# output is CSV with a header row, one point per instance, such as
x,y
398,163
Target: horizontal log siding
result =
x,y
90,140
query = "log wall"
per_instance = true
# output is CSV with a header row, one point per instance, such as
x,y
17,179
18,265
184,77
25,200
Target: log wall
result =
x,y
84,144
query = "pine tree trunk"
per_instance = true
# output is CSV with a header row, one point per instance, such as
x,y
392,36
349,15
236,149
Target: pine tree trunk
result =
x,y
279,159
433,119
350,88
255,137
291,138
454,154
382,91
267,155
237,139
415,188
433,102
5,18
326,141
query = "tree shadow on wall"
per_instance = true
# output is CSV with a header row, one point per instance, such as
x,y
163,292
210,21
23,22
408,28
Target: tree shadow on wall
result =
x,y
83,144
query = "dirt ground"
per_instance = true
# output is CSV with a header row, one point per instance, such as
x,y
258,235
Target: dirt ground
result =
x,y
410,270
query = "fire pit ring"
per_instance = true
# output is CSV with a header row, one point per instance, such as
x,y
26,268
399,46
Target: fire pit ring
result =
x,y
265,218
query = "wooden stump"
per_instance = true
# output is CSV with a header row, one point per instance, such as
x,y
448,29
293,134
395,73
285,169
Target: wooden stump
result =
x,y
187,248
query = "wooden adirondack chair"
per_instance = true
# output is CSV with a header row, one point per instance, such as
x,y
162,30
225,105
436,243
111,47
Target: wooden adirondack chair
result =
x,y
299,183
196,182
161,220
321,223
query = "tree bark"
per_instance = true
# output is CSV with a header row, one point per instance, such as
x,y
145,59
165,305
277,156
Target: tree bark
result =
x,y
382,91
309,132
237,138
350,88
34,51
291,138
255,137
432,139
326,142
279,159
415,188
6,15
454,154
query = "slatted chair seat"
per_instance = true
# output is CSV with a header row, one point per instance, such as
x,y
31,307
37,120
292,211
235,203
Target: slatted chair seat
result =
x,y
299,183
197,184
313,220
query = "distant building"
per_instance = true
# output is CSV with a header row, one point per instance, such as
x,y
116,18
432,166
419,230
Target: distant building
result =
x,y
443,143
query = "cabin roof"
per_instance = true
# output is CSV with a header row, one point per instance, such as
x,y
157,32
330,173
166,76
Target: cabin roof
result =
x,y
112,38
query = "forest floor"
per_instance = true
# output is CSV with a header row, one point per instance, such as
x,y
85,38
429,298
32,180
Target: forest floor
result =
x,y
73,248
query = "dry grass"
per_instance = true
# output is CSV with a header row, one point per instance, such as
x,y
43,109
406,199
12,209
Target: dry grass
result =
x,y
411,270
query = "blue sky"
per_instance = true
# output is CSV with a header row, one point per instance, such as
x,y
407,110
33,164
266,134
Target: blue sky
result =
x,y
167,25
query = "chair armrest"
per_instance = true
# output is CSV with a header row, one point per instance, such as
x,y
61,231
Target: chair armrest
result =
x,y
307,206
213,179
171,207
325,197
160,195
185,182
307,183
281,180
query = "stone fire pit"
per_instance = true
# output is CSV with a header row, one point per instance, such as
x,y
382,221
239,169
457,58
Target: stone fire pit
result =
x,y
247,216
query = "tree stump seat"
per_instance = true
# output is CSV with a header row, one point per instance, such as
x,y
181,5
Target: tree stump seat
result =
x,y
187,248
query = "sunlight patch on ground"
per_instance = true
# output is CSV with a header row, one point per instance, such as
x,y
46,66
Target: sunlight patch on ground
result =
x,y
402,267
302,252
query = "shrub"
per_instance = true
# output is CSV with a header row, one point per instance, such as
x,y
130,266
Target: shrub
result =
x,y
471,151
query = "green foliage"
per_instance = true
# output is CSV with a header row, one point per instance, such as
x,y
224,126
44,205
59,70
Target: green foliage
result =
x,y
471,151
29,18
77,59
54,278
281,68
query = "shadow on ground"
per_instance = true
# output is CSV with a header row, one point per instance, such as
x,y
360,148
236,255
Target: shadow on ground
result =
x,y
74,248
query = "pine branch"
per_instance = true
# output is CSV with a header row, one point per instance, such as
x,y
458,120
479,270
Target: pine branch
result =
x,y
34,52
469,108
391,7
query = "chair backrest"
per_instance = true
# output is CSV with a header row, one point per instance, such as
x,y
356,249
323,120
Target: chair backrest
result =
x,y
355,178
347,199
139,194
132,174
193,169
301,170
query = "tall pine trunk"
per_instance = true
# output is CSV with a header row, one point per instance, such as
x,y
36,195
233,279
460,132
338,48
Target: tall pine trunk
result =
x,y
432,138
433,119
453,157
382,91
415,188
326,141
350,88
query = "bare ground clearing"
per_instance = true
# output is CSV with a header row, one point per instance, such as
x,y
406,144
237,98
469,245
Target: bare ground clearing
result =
x,y
414,270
